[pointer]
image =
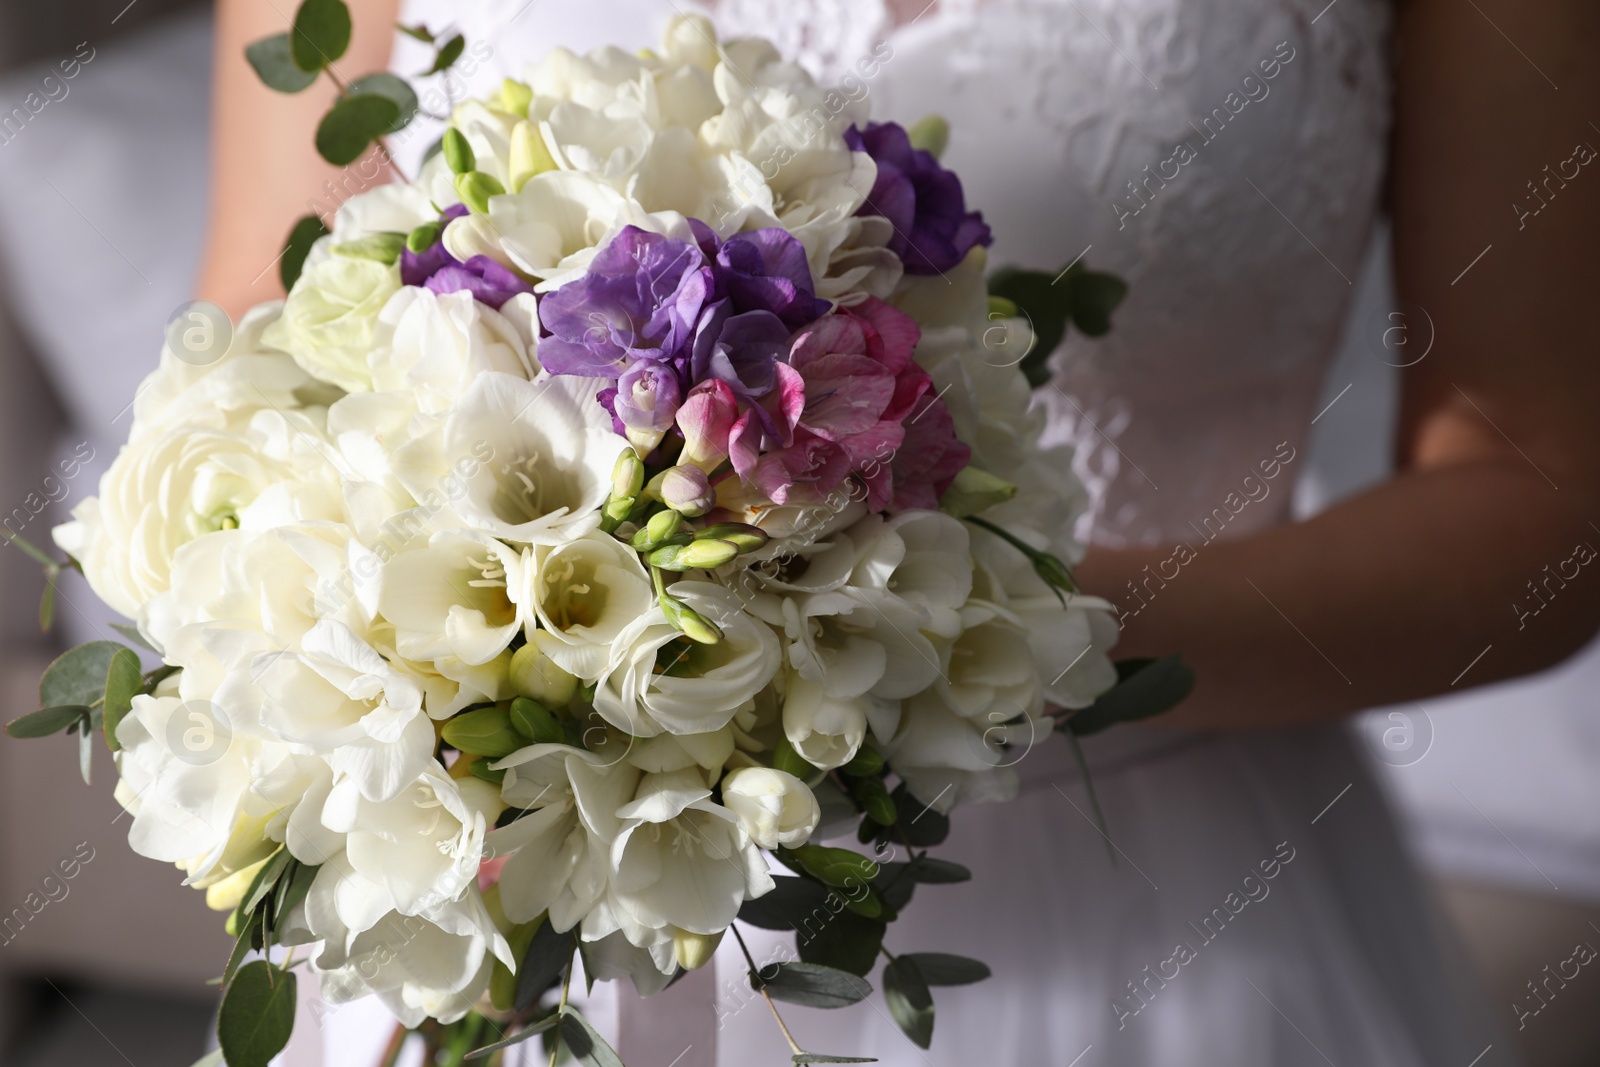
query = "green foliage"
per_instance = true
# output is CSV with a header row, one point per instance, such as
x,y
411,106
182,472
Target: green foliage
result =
x,y
1145,687
273,62
527,1033
906,992
1077,294
787,905
78,675
813,985
942,968
257,1015
448,53
47,721
549,953
392,88
352,124
321,34
124,679
846,941
307,229
585,1042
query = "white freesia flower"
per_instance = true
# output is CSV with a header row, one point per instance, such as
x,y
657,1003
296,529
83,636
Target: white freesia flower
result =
x,y
434,346
549,228
826,730
696,688
585,593
330,317
947,759
457,597
681,860
434,964
551,449
339,697
208,472
774,807
422,845
991,671
559,850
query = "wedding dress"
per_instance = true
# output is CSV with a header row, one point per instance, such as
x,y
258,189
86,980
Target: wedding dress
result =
x,y
1259,909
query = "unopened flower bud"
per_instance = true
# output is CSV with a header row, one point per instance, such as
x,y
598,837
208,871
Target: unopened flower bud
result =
x,y
692,950
1054,572
515,97
627,475
458,152
382,247
475,188
536,676
748,538
534,721
687,491
484,732
425,236
693,625
930,134
529,155
697,555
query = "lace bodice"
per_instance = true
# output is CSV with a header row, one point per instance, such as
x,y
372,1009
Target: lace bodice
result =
x,y
1223,156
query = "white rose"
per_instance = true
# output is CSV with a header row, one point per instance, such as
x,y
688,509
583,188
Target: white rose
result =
x,y
434,347
701,686
210,472
330,317
774,807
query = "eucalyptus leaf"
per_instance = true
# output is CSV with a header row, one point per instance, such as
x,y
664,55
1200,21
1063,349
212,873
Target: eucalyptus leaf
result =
x,y
304,234
1145,687
528,1032
449,52
292,889
393,88
78,676
132,634
1049,301
930,871
241,948
418,32
585,1042
787,905
124,678
924,827
49,721
847,941
273,62
47,603
257,1015
906,992
1094,297
321,36
547,954
352,124
265,881
814,985
942,968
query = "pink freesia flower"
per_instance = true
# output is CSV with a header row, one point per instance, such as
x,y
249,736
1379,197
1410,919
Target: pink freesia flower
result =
x,y
842,405
706,419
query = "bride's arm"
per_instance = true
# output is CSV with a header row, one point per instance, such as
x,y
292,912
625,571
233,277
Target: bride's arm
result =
x,y
1396,593
263,166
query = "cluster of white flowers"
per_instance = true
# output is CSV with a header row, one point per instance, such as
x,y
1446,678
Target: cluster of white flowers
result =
x,y
420,648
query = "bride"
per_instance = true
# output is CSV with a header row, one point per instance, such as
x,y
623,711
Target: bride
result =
x,y
1229,158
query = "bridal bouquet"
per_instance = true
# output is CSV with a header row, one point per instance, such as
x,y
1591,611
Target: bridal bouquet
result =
x,y
607,516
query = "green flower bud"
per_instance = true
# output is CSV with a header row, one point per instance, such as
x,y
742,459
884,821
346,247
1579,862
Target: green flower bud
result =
x,y
838,867
484,732
537,676
425,236
697,555
663,526
693,625
867,761
931,135
457,152
475,188
385,248
1054,572
975,490
747,537
627,475
515,97
534,721
686,490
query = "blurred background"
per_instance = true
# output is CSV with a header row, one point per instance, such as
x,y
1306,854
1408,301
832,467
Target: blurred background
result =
x,y
102,195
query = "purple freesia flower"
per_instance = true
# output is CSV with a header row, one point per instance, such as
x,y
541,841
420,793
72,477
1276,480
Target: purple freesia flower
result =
x,y
934,231
766,270
436,269
640,299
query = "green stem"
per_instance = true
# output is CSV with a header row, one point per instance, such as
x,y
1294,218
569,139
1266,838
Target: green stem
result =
x,y
1088,788
756,975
